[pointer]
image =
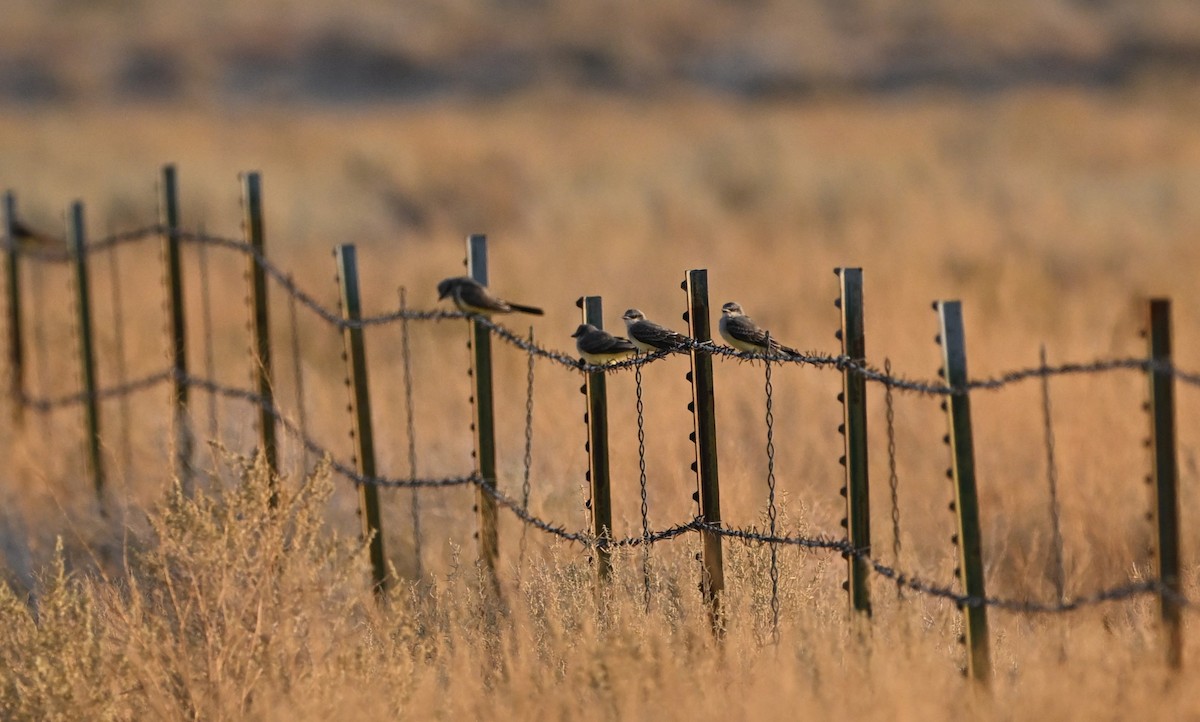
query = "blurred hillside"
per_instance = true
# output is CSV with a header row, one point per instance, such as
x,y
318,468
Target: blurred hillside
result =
x,y
62,51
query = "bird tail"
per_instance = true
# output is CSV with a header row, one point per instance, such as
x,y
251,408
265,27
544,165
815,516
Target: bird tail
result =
x,y
534,310
790,351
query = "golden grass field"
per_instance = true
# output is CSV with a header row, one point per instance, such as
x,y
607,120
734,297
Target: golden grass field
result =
x,y
1051,214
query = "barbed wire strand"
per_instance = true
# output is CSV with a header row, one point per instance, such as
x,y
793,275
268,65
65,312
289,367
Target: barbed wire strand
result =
x,y
838,362
527,460
772,511
641,437
893,476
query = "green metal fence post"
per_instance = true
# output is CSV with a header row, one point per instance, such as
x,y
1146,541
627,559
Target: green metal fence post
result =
x,y
600,504
966,499
485,425
16,348
260,325
87,354
1166,477
704,436
360,404
177,327
854,431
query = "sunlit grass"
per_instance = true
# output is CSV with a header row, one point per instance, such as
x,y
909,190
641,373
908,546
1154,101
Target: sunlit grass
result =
x,y
1048,215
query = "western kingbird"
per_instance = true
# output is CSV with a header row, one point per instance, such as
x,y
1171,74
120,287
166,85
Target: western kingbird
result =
x,y
649,337
473,297
741,332
28,239
598,346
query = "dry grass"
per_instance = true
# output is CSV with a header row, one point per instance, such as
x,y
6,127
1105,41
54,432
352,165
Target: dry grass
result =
x,y
1046,213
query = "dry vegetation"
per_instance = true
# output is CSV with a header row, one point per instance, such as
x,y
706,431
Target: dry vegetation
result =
x,y
1049,213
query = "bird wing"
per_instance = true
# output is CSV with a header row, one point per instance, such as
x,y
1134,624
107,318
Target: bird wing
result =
x,y
476,296
602,342
746,331
652,334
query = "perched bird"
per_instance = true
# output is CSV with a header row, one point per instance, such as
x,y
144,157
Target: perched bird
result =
x,y
29,239
473,297
598,346
741,332
649,337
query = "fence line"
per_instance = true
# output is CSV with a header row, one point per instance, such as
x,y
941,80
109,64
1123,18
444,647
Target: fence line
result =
x,y
748,535
600,539
835,362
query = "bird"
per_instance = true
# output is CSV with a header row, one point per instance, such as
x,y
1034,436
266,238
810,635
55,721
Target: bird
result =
x,y
598,346
471,296
741,332
649,337
27,238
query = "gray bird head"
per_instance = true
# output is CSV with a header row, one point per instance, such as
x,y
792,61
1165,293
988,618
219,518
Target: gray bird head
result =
x,y
732,309
634,315
583,328
447,286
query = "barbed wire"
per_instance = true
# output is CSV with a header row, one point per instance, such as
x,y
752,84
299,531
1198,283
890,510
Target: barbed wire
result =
x,y
901,579
521,512
50,403
63,253
815,359
914,583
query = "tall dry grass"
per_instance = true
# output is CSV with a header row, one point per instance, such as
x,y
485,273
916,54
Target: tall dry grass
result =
x,y
1047,214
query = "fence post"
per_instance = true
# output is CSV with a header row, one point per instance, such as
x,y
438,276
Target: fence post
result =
x,y
966,501
360,405
485,425
854,431
704,435
252,226
87,356
16,348
169,217
1166,476
596,418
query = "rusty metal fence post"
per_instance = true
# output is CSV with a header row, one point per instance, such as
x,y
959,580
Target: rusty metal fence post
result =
x,y
1166,476
485,424
260,325
177,327
966,500
854,432
16,349
704,436
360,406
596,418
87,353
